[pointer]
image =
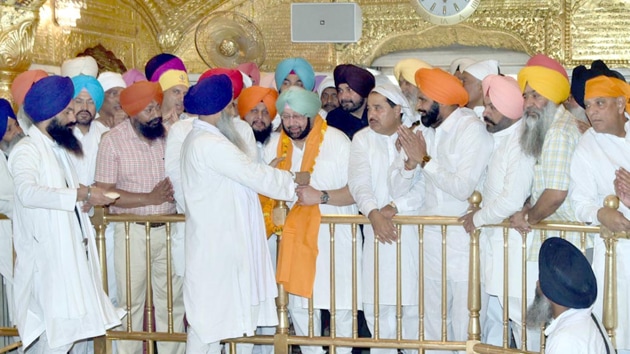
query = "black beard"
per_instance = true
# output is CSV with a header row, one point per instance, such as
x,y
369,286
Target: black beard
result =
x,y
303,135
263,135
354,107
430,118
153,129
62,135
84,111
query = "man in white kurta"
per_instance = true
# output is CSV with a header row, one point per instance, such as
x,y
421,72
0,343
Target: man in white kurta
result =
x,y
229,286
601,152
505,190
453,164
58,291
328,190
382,188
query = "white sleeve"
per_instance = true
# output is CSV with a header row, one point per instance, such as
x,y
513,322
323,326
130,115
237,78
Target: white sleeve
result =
x,y
583,187
360,175
6,188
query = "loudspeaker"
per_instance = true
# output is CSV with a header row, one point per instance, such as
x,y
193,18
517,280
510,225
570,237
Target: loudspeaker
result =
x,y
326,22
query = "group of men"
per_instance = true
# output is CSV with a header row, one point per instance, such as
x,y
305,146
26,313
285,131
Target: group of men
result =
x,y
224,152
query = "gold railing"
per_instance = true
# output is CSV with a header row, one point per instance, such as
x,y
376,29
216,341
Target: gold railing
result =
x,y
282,340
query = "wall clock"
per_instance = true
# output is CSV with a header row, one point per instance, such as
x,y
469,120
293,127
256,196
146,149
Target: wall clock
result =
x,y
445,12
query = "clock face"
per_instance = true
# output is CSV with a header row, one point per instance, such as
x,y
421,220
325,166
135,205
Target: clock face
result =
x,y
445,12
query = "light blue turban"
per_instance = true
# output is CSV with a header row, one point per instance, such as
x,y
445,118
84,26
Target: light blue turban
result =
x,y
302,69
304,102
92,86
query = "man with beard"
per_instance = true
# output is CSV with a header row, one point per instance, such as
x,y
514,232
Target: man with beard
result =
x,y
565,293
472,77
404,72
602,155
452,164
172,76
111,114
130,162
328,95
228,285
507,186
310,145
353,84
59,299
257,107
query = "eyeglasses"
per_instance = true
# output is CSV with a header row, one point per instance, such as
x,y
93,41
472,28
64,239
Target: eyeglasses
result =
x,y
293,116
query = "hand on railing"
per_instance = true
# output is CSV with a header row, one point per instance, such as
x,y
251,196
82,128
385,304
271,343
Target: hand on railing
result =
x,y
384,229
519,221
622,186
611,218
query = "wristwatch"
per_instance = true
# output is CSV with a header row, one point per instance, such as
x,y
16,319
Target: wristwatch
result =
x,y
323,199
425,159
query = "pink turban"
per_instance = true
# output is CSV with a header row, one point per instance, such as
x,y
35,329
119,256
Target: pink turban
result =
x,y
235,76
504,94
441,87
251,70
23,83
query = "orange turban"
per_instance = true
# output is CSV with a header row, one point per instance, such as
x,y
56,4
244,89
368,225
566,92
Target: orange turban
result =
x,y
23,83
547,77
252,96
137,97
604,86
441,86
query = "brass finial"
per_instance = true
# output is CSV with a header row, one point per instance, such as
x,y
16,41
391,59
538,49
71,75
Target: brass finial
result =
x,y
611,201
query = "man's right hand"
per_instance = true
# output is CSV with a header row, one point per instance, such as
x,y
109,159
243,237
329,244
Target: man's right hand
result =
x,y
613,220
302,178
384,229
162,192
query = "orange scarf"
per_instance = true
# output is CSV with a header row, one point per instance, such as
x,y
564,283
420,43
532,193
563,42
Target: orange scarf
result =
x,y
298,251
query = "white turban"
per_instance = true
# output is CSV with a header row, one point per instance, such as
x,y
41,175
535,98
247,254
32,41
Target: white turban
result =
x,y
394,94
110,80
483,68
326,83
460,64
79,66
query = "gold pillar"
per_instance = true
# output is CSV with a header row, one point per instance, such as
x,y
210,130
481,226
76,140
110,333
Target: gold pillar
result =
x,y
18,20
474,282
610,280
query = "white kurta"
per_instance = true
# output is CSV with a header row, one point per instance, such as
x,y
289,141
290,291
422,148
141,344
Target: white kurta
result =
x,y
595,160
576,332
330,173
6,208
57,288
86,165
228,268
376,177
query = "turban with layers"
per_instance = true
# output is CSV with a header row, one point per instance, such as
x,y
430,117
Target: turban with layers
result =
x,y
360,80
504,94
460,64
547,77
407,69
162,63
251,70
85,65
483,68
209,96
300,100
133,75
92,86
173,78
235,76
394,94
109,80
23,83
441,87
581,74
48,97
252,96
604,86
300,67
137,97
326,83
6,112
564,274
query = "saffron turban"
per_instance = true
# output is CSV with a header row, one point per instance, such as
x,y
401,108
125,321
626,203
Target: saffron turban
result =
x,y
92,86
483,68
360,80
407,69
504,94
85,65
394,94
235,76
162,63
209,96
109,80
251,70
48,97
581,74
604,86
441,87
300,100
173,78
252,96
326,83
547,77
564,274
23,83
298,66
133,75
137,97
6,112
460,64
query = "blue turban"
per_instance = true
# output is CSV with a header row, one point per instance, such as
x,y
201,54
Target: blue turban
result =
x,y
300,67
48,97
304,102
209,96
581,74
92,86
6,112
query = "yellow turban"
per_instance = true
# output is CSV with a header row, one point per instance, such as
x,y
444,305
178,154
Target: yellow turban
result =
x,y
173,78
252,96
604,86
549,83
441,86
407,69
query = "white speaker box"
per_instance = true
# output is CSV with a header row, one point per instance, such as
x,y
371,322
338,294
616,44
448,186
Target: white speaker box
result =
x,y
326,22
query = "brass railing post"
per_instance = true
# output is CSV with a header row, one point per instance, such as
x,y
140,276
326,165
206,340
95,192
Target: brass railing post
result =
x,y
474,282
281,338
98,220
610,274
